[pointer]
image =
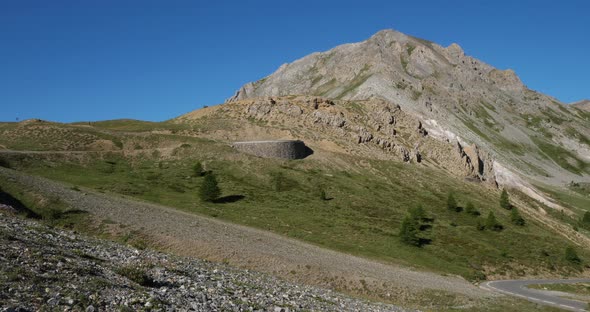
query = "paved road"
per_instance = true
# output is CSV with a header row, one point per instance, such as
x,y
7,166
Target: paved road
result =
x,y
519,288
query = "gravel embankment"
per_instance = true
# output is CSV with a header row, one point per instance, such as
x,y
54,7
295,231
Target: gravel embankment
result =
x,y
45,268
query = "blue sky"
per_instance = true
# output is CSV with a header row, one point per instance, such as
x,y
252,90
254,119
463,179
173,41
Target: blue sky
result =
x,y
153,60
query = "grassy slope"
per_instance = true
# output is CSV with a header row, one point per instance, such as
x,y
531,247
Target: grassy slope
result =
x,y
363,217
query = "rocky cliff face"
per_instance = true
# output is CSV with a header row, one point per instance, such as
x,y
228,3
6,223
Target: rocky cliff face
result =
x,y
456,97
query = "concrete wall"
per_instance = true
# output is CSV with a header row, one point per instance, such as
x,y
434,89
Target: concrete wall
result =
x,y
286,149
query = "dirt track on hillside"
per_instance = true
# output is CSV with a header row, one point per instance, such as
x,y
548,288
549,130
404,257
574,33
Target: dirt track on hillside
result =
x,y
194,235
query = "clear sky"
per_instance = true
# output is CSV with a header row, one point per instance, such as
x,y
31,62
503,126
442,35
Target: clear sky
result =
x,y
153,60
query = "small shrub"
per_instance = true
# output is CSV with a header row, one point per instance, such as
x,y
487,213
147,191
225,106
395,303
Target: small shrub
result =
x,y
505,200
585,221
452,203
280,183
136,275
322,194
572,256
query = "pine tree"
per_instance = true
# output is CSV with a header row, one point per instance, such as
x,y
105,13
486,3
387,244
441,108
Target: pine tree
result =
x,y
492,224
409,231
585,221
571,255
516,218
209,190
470,209
452,203
413,227
417,213
504,200
198,170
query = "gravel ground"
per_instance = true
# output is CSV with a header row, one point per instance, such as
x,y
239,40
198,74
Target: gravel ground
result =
x,y
49,269
193,235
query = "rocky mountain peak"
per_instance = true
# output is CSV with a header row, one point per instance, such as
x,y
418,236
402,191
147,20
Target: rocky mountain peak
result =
x,y
455,94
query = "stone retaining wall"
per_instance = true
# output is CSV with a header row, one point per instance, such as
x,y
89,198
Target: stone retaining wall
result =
x,y
286,149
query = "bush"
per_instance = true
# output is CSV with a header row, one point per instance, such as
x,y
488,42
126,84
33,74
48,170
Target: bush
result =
x,y
585,221
516,218
492,224
571,255
209,190
505,200
452,203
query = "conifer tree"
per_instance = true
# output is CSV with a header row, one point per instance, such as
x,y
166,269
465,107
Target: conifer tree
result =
x,y
413,227
209,190
505,200
409,231
452,203
470,209
516,218
492,224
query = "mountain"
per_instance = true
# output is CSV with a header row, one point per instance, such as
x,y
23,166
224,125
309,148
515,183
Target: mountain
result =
x,y
457,99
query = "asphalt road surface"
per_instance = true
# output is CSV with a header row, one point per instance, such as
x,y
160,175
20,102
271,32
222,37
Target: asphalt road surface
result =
x,y
519,288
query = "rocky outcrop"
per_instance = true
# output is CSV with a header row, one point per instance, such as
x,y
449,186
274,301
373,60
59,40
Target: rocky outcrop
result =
x,y
478,163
